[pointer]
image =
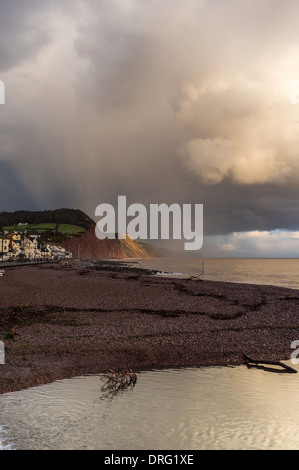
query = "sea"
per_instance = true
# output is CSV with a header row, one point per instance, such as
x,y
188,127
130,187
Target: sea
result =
x,y
277,272
200,408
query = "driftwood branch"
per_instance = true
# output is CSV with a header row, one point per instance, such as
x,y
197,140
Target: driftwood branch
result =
x,y
249,361
116,381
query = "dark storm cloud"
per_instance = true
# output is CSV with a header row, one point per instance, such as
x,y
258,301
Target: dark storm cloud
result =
x,y
12,191
22,31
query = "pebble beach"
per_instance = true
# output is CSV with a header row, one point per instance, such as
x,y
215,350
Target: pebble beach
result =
x,y
68,319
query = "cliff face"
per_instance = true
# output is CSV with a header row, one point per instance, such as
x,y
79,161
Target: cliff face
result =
x,y
89,246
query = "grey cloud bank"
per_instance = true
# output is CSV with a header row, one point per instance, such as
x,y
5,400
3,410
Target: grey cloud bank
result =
x,y
162,101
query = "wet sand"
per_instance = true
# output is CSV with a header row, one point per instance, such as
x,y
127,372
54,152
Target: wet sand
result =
x,y
71,320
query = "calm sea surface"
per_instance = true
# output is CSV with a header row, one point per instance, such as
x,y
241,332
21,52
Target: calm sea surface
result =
x,y
195,408
278,272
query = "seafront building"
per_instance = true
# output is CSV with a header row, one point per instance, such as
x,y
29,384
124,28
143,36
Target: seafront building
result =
x,y
4,245
19,245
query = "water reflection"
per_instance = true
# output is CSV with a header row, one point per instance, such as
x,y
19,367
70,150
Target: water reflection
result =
x,y
195,408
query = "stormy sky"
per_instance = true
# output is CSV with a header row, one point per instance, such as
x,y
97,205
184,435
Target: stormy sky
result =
x,y
164,101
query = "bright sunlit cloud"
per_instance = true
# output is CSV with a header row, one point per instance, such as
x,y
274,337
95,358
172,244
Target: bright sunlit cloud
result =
x,y
271,244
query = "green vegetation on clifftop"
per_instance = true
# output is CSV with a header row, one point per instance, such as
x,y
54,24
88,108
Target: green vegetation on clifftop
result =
x,y
49,219
52,225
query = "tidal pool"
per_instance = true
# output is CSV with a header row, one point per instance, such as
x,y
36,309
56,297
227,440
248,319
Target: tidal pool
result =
x,y
216,408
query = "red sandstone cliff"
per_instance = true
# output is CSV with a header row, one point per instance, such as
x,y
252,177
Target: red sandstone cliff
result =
x,y
89,246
